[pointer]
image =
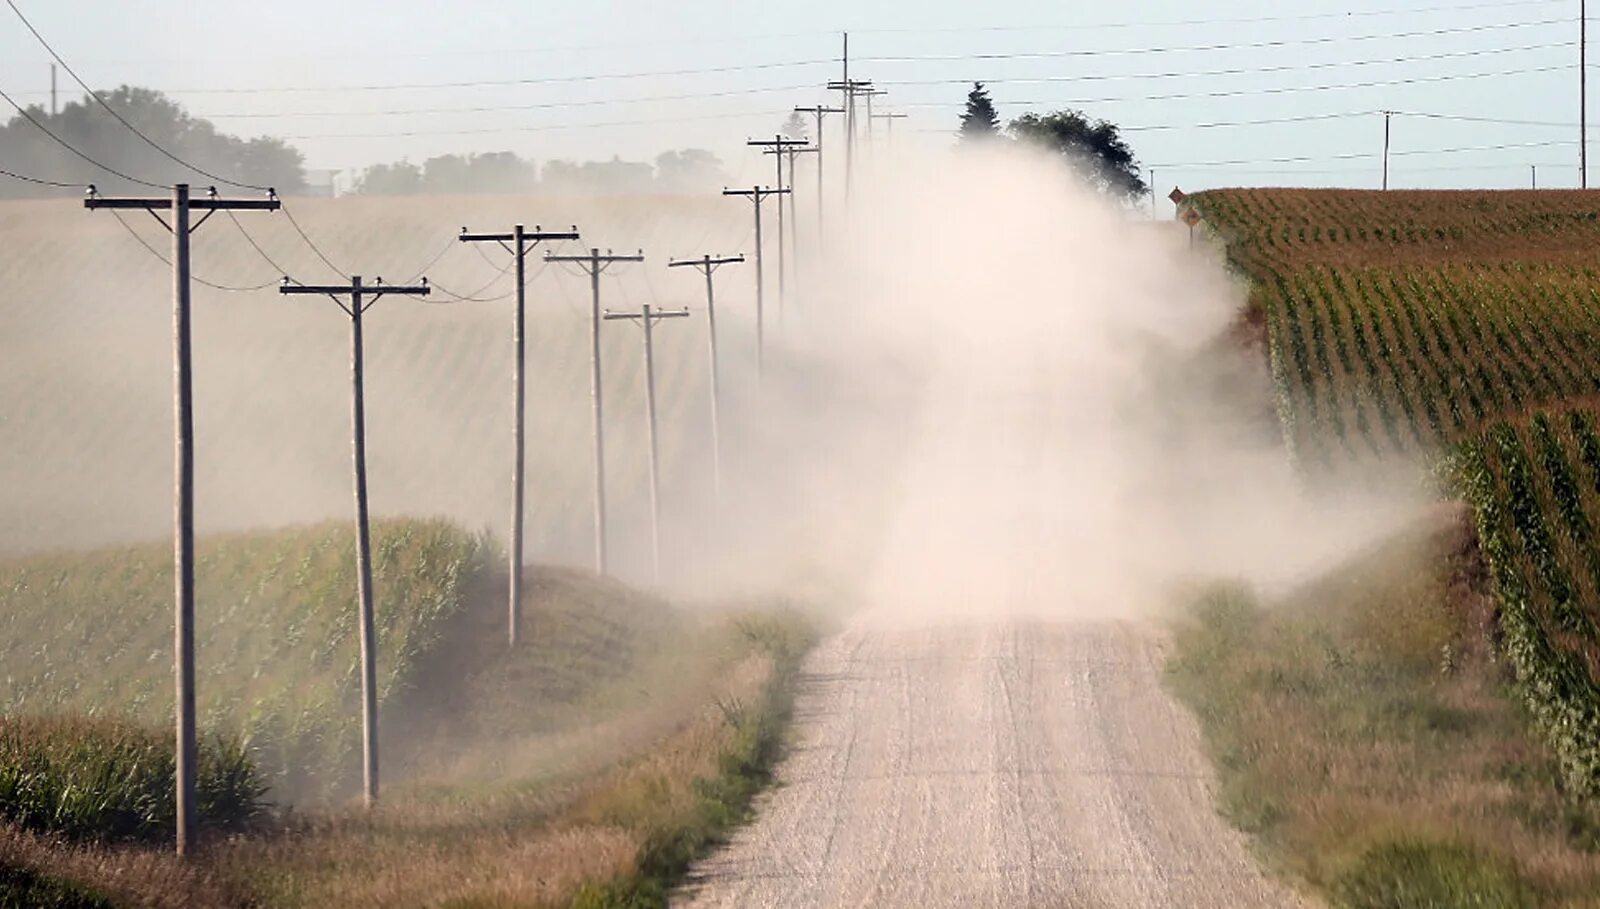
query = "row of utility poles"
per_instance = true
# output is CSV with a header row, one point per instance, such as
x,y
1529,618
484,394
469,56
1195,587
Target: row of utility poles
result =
x,y
356,296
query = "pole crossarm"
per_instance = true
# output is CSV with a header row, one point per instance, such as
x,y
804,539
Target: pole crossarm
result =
x,y
819,110
595,264
655,314
756,192
708,261
777,142
536,235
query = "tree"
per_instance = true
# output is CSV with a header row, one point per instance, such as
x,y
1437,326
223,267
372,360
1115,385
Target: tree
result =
x,y
979,121
689,170
795,126
1095,148
88,127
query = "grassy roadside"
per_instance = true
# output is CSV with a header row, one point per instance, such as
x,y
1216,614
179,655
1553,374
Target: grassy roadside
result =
x,y
1363,734
607,815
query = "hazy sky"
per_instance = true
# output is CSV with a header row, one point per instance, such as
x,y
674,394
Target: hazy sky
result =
x,y
709,73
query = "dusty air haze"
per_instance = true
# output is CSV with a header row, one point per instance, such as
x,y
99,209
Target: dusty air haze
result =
x,y
992,390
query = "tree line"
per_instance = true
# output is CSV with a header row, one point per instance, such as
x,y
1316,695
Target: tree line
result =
x,y
1094,148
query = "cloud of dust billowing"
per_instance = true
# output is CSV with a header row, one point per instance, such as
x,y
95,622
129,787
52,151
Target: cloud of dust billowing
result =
x,y
993,392
1011,397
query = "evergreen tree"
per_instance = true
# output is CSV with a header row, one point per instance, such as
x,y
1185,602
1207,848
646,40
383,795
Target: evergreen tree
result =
x,y
795,127
979,121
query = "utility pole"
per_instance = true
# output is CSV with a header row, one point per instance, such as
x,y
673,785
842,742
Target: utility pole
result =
x,y
362,296
596,264
1535,169
53,90
1153,214
708,265
850,88
181,206
1583,94
648,318
518,242
820,111
775,146
757,195
888,117
790,152
869,94
1386,117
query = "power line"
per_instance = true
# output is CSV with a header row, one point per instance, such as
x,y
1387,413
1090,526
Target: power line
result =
x,y
1225,46
1189,23
501,108
121,119
1280,90
27,179
314,248
539,128
1354,156
72,148
480,83
1243,71
196,278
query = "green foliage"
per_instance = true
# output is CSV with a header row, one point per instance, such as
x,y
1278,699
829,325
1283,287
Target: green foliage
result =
x,y
1411,874
1094,148
24,887
276,643
89,127
979,122
1547,633
110,780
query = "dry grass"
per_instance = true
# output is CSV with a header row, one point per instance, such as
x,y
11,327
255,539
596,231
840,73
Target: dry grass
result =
x,y
122,875
1366,718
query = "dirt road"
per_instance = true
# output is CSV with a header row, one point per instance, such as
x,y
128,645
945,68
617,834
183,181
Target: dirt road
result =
x,y
1003,764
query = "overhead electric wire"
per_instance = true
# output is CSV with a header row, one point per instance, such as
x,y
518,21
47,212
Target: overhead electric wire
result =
x,y
74,149
193,277
1189,23
544,127
314,248
1356,156
1243,70
479,83
502,108
121,119
1278,90
1196,48
40,181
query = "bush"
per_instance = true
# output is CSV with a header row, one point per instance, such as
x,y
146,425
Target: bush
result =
x,y
112,780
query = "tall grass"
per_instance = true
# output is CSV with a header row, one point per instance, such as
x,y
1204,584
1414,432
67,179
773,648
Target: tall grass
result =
x,y
109,780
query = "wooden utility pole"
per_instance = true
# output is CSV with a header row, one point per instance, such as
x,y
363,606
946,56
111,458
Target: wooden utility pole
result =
x,y
851,88
888,119
595,264
757,195
52,89
869,94
789,152
518,242
820,111
648,318
1387,115
775,146
708,265
362,296
1583,94
181,205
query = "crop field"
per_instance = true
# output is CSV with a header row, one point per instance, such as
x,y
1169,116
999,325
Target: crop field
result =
x,y
1456,332
90,634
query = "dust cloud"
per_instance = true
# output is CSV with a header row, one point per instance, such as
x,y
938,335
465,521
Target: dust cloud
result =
x,y
988,391
1035,403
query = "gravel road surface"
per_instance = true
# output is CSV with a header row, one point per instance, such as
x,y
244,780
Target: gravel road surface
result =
x,y
1015,763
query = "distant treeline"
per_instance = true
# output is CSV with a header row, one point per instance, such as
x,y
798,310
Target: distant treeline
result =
x,y
689,170
91,129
